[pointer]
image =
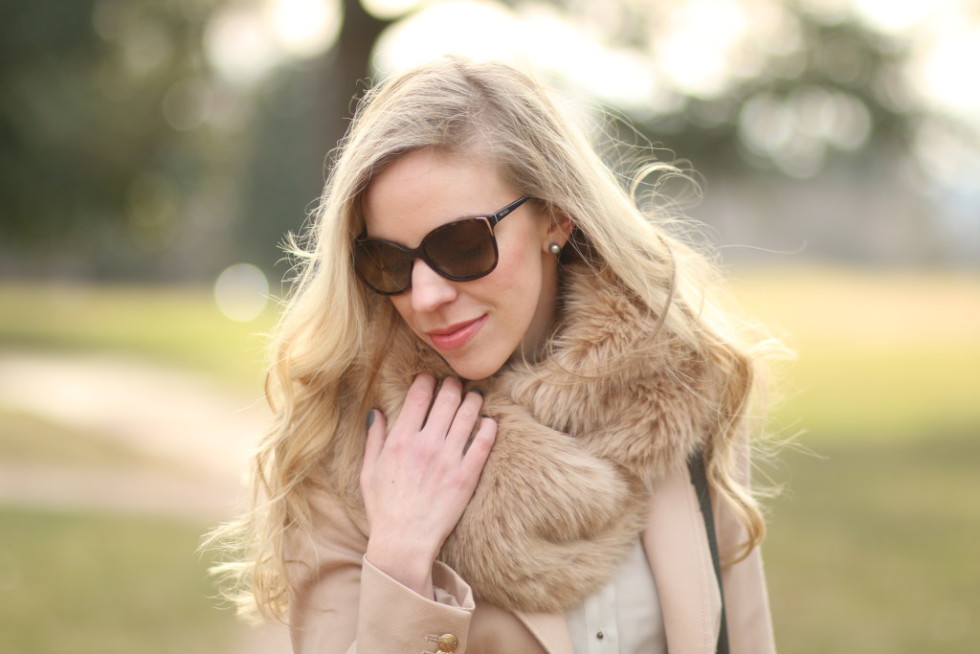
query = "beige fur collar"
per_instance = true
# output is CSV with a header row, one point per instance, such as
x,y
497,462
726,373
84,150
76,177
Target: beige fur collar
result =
x,y
581,436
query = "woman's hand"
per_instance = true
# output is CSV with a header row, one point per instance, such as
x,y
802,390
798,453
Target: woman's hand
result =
x,y
417,479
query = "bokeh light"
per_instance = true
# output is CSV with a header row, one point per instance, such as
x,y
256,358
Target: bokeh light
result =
x,y
240,45
798,131
244,42
390,9
241,292
437,29
305,28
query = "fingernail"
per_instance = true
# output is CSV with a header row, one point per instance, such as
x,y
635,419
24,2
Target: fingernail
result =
x,y
478,391
370,418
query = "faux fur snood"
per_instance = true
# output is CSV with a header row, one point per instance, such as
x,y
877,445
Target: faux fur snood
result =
x,y
582,434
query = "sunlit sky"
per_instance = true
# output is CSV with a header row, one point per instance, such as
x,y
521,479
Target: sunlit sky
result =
x,y
699,48
702,46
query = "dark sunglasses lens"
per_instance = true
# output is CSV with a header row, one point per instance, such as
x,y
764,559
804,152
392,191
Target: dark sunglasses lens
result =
x,y
382,266
462,250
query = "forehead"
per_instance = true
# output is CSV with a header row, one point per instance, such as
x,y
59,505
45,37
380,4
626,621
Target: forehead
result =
x,y
427,188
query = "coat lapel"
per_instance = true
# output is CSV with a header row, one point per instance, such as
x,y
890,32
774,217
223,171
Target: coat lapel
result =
x,y
677,548
676,545
551,630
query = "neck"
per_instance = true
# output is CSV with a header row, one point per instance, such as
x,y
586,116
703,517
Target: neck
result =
x,y
535,342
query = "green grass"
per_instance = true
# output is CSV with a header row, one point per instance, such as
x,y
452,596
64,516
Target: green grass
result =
x,y
873,548
175,326
848,393
101,584
880,355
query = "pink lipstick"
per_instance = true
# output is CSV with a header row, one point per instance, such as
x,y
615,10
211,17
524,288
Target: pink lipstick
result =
x,y
458,335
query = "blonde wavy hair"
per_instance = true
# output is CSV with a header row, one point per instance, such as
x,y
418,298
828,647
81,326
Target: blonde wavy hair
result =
x,y
329,321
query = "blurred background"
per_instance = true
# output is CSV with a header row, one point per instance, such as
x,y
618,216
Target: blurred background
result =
x,y
154,153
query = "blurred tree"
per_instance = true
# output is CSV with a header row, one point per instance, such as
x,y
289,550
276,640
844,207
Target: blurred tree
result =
x,y
837,90
302,114
125,149
96,164
811,94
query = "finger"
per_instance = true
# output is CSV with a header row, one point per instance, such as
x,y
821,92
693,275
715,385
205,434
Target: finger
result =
x,y
476,455
417,402
375,437
465,420
444,407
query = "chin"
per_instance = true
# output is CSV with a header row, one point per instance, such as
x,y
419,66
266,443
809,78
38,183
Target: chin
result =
x,y
475,370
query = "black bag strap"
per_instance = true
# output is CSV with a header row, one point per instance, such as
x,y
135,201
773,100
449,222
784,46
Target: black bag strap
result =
x,y
699,477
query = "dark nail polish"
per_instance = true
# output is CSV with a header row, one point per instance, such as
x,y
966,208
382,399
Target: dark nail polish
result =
x,y
370,418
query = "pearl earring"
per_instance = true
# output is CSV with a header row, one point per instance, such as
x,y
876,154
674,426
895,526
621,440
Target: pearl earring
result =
x,y
554,249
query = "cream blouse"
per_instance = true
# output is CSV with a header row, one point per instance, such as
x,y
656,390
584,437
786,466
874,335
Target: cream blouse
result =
x,y
624,616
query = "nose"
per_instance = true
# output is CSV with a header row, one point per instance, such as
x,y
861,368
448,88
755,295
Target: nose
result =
x,y
430,290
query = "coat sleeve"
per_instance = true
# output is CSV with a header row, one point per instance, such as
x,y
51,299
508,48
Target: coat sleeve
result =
x,y
341,603
746,598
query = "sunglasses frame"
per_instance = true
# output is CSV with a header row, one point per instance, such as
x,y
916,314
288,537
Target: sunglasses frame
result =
x,y
419,253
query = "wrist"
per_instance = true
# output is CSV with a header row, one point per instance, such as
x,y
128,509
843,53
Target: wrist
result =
x,y
409,563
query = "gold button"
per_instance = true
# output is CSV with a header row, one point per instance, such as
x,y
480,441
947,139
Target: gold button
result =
x,y
447,643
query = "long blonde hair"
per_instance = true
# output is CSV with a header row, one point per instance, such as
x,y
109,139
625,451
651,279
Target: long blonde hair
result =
x,y
325,328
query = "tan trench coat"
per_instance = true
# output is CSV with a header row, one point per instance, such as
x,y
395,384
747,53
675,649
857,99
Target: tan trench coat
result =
x,y
343,604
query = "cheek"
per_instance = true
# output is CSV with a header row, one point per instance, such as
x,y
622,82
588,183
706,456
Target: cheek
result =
x,y
520,270
403,306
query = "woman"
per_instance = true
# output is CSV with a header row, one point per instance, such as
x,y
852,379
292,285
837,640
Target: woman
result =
x,y
489,385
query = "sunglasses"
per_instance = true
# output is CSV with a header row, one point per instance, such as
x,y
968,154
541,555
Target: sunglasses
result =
x,y
460,251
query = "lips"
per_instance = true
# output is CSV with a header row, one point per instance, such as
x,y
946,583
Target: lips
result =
x,y
456,336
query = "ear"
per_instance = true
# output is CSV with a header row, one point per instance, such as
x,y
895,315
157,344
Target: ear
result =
x,y
560,228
